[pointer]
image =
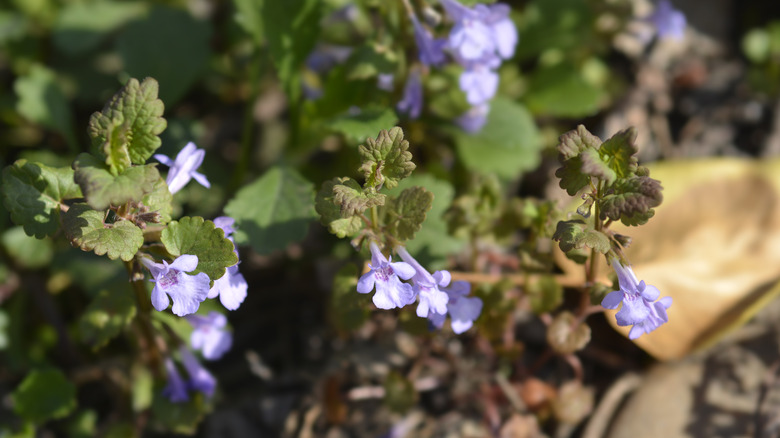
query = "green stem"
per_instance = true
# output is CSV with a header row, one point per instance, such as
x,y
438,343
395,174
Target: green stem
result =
x,y
143,320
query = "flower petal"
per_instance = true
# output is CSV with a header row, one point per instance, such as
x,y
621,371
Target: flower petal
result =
x,y
403,270
612,300
188,293
366,282
185,263
160,300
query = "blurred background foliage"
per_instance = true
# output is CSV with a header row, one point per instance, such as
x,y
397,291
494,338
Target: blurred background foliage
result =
x,y
240,79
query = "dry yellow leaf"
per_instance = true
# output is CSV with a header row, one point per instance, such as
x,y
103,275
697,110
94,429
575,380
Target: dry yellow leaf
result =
x,y
713,246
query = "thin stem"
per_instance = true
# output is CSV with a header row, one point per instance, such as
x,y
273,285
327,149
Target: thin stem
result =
x,y
143,321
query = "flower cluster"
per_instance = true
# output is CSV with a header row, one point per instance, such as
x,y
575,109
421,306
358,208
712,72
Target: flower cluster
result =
x,y
480,39
200,380
667,21
231,287
435,299
640,308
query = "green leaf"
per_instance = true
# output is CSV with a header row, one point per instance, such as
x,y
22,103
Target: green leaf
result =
x,y
572,143
27,251
199,237
43,395
159,199
369,60
127,130
351,199
85,229
347,311
594,166
432,240
387,159
571,148
574,234
180,418
619,152
249,17
102,189
106,316
631,200
42,101
81,27
562,91
507,145
406,213
359,127
291,28
32,193
273,211
171,46
331,213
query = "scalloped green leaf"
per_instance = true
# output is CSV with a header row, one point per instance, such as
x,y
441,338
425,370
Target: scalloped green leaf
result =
x,y
32,193
619,152
199,237
106,317
573,179
101,188
572,143
386,159
43,395
127,130
406,213
159,199
85,229
574,234
331,213
632,200
351,199
273,211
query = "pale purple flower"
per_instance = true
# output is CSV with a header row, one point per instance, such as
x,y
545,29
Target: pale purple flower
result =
x,y
209,335
201,379
431,50
386,277
426,286
183,169
187,291
231,288
463,310
384,81
668,22
176,389
640,307
412,101
473,120
482,35
480,84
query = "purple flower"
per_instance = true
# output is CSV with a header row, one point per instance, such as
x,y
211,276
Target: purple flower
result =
x,y
187,291
412,101
390,291
426,286
482,35
473,120
463,310
668,21
231,288
431,50
640,307
200,379
176,389
183,169
479,84
384,81
209,335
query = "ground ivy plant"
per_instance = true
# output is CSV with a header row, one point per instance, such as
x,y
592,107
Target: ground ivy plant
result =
x,y
114,202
